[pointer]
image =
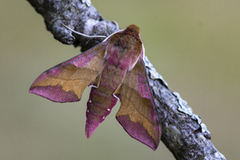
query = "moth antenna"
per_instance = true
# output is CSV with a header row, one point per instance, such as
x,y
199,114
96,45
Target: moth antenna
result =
x,y
82,34
87,42
116,25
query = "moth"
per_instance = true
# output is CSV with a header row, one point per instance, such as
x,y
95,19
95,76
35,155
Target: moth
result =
x,y
115,70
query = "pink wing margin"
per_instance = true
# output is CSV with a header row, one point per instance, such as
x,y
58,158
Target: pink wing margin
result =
x,y
66,81
137,111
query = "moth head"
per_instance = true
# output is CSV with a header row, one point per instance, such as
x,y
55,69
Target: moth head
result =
x,y
133,30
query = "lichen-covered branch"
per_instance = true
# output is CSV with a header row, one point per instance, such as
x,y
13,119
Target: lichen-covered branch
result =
x,y
82,17
182,131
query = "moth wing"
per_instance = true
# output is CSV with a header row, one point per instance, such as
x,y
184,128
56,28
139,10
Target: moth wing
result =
x,y
136,113
66,81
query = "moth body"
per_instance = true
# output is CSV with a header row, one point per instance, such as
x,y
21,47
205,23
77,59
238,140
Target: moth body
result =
x,y
122,53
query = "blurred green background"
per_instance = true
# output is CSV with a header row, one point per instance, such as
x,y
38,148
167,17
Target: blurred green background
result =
x,y
194,45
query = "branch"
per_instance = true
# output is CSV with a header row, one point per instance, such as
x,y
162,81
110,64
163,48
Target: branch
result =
x,y
182,131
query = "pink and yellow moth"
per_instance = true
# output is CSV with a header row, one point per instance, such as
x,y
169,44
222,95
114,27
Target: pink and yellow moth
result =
x,y
115,69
